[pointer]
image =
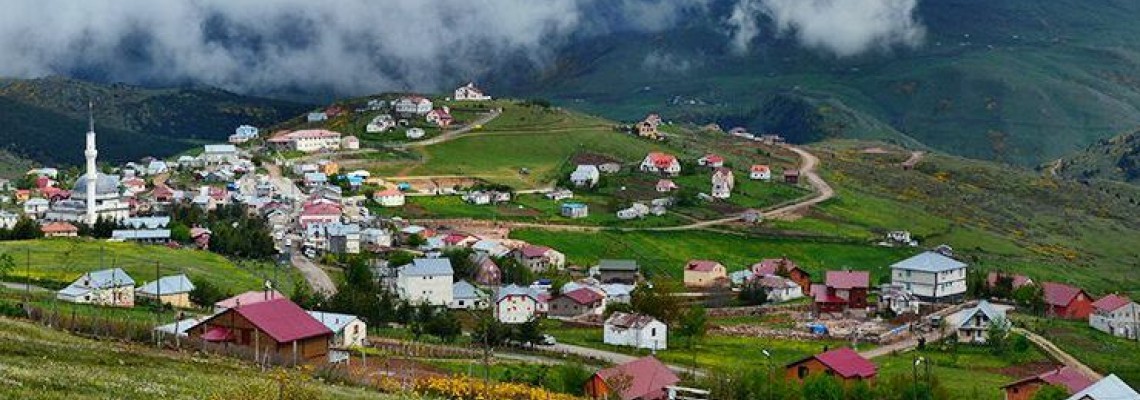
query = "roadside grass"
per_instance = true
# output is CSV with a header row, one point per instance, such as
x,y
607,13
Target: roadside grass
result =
x,y
747,193
61,261
667,252
42,363
1105,353
967,371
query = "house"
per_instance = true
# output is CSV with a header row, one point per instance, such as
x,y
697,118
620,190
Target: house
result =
x,y
440,117
414,133
931,277
662,163
1109,388
617,271
515,304
575,210
645,378
247,298
786,268
605,164
480,197
322,213
389,197
243,134
577,302
59,229
792,176
974,323
711,161
778,288
107,287
842,290
635,330
666,185
1072,380
705,273
559,194
8,219
316,117
540,258
585,176
277,328
842,363
760,172
348,330
173,290
647,130
1064,301
36,206
897,299
466,296
380,123
493,248
1017,281
635,210
350,143
307,140
157,167
412,105
343,238
1116,315
469,92
722,183
214,154
738,278
152,236
426,280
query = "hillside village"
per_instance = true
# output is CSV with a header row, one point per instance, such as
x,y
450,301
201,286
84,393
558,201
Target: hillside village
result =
x,y
391,259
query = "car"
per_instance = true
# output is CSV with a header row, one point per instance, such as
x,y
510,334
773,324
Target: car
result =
x,y
548,340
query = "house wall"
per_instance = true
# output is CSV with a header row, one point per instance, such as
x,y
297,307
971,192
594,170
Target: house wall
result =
x,y
248,335
813,367
353,335
434,290
653,336
1124,322
703,278
618,276
516,309
122,296
567,307
929,285
596,388
1079,308
178,300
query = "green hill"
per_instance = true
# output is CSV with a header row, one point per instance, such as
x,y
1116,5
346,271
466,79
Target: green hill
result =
x,y
46,117
1018,81
1117,158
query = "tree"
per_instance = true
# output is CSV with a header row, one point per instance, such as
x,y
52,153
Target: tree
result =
x,y
752,293
489,331
1031,297
103,227
461,263
529,332
1003,286
400,257
693,324
205,294
514,271
179,232
822,387
416,240
997,336
657,300
1051,392
445,326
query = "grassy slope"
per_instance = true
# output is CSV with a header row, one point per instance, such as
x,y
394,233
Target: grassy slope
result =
x,y
63,260
1099,350
1116,158
968,372
44,364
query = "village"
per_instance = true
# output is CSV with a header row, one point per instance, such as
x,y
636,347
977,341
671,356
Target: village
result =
x,y
292,195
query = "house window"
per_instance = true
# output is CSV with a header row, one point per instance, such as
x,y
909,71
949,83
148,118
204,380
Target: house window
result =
x,y
653,332
802,371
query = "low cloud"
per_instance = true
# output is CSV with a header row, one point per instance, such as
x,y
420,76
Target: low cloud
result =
x,y
841,27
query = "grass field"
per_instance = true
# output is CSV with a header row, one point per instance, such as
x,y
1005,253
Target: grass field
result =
x,y
1101,351
524,208
63,260
39,363
667,252
967,372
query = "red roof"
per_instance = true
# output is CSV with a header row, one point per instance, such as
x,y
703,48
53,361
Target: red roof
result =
x,y
1111,303
771,266
534,251
1018,280
321,209
701,265
819,292
1070,378
247,298
1059,294
846,363
848,279
454,238
389,192
162,190
583,296
283,320
649,377
58,227
713,158
760,168
661,160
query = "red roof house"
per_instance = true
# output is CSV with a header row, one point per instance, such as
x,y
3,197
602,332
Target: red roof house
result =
x,y
711,160
786,268
577,302
842,363
278,327
1072,380
247,298
705,273
1110,303
842,290
59,229
1064,301
644,378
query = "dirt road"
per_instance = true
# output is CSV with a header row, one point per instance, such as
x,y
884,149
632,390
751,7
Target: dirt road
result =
x,y
318,279
1060,355
449,135
808,166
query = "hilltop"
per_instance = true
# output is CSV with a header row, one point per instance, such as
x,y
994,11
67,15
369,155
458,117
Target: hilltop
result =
x,y
1016,81
43,116
1117,158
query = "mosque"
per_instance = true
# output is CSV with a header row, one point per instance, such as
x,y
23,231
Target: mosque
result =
x,y
95,195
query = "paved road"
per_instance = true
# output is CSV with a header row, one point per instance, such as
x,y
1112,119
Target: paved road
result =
x,y
1059,355
21,287
318,279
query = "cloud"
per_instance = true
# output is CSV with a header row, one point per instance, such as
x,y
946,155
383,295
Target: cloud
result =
x,y
659,61
266,46
842,27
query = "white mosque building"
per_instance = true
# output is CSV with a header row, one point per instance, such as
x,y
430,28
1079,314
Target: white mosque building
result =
x,y
95,195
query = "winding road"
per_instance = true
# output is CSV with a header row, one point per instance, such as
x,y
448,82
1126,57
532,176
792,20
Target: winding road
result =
x,y
809,164
318,279
449,135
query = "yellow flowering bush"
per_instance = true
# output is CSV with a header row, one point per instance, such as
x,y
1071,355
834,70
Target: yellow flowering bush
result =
x,y
466,388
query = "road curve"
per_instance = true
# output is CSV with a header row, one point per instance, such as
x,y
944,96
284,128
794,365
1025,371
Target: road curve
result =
x,y
1059,355
449,135
809,163
318,279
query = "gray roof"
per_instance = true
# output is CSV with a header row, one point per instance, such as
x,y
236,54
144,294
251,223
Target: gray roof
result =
x,y
219,148
105,184
74,291
617,265
173,284
1109,388
929,262
515,290
629,320
428,267
335,322
140,234
146,222
339,229
107,278
180,327
983,307
465,290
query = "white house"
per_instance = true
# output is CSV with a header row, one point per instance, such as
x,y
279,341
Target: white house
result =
x,y
414,133
636,210
1116,315
760,172
36,206
469,92
389,197
897,299
931,276
412,105
156,167
974,323
635,330
350,143
585,176
308,140
243,134
1109,388
218,153
722,183
108,287
8,219
426,280
515,304
317,117
348,330
661,163
780,289
376,237
466,296
380,123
